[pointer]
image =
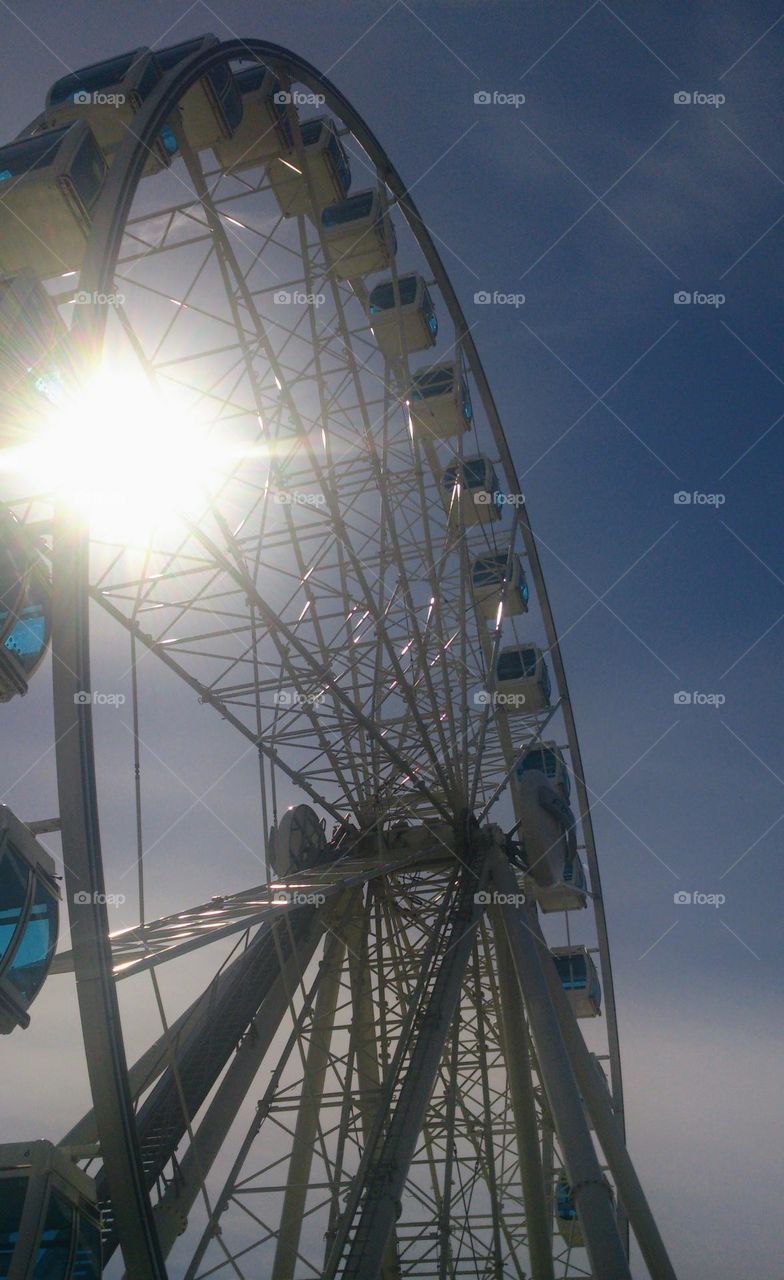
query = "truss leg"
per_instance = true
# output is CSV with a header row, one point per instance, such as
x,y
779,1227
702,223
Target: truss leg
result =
x,y
518,1065
176,1202
306,1128
592,1196
366,1057
445,1258
154,1061
213,1229
609,1133
386,1175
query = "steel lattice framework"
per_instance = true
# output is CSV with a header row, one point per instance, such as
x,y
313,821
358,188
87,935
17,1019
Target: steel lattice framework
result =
x,y
385,1079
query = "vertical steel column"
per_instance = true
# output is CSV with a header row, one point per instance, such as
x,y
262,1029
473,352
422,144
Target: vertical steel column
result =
x,y
85,893
387,1177
592,1195
514,1031
306,1129
366,1054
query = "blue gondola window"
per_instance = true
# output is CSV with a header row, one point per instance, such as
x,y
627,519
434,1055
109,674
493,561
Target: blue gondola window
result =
x,y
11,1206
565,1203
516,664
13,895
436,382
102,75
29,637
54,1248
33,955
350,210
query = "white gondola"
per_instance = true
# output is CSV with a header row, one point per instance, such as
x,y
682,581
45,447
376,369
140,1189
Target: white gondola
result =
x,y
547,758
488,575
522,679
358,236
547,837
33,356
439,405
579,980
297,842
470,493
327,172
212,108
50,1225
29,917
48,188
410,326
263,133
570,893
108,94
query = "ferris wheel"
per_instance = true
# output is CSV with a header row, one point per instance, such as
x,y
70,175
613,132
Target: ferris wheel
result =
x,y
252,453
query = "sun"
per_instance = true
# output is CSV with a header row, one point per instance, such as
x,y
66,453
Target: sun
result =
x,y
133,460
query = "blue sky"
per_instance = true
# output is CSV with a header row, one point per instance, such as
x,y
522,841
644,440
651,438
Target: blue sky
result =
x,y
599,198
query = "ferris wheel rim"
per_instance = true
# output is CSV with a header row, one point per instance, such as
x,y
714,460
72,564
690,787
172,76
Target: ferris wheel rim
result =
x,y
98,271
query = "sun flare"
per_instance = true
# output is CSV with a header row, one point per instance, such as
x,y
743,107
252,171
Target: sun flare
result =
x,y
128,457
